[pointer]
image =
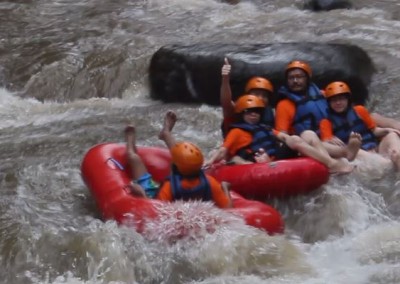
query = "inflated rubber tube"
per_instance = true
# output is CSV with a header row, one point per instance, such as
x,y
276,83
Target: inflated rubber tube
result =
x,y
104,171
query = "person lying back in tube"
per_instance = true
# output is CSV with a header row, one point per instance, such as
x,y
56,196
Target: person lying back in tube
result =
x,y
187,180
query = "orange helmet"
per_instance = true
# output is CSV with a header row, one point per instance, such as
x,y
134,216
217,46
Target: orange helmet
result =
x,y
187,157
248,101
259,83
301,65
336,88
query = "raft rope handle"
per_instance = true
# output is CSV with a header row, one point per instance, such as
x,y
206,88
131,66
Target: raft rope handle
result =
x,y
217,165
118,164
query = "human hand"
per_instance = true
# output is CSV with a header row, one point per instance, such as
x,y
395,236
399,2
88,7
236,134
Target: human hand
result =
x,y
336,141
226,68
207,164
261,156
394,130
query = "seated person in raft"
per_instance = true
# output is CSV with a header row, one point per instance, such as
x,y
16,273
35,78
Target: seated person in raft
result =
x,y
302,106
249,141
187,180
344,118
263,88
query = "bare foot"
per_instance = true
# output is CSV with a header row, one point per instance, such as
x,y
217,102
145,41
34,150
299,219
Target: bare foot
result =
x,y
353,146
169,123
130,129
395,158
340,167
130,136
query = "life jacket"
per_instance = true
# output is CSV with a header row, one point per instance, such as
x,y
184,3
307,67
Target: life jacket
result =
x,y
268,118
262,138
344,124
310,109
200,192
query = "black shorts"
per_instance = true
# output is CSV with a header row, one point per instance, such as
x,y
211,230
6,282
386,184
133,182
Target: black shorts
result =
x,y
284,152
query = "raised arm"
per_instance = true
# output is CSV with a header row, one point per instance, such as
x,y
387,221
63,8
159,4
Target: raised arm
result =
x,y
228,106
383,121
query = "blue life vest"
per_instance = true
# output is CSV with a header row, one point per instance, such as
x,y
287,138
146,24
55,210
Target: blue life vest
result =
x,y
344,124
268,118
310,109
200,192
262,138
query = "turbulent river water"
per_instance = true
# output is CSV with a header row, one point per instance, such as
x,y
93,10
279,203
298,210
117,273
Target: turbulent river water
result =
x,y
73,73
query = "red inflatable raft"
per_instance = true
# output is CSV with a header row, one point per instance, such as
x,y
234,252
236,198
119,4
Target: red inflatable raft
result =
x,y
279,179
104,172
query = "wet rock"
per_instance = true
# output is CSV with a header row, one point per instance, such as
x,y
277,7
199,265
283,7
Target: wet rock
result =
x,y
326,5
192,73
232,2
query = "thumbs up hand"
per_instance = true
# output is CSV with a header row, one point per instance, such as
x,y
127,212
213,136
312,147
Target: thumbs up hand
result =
x,y
226,68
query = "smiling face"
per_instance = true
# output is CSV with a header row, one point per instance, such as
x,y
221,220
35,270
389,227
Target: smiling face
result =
x,y
297,80
252,115
339,103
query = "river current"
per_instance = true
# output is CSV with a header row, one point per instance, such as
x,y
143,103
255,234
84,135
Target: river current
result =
x,y
73,73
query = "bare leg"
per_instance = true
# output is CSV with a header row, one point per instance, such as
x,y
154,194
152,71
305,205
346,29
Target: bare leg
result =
x,y
349,151
335,151
395,157
165,133
312,139
136,164
312,147
390,147
382,121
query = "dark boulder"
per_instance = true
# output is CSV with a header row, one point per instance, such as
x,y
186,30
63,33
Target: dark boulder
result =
x,y
192,73
326,5
232,2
